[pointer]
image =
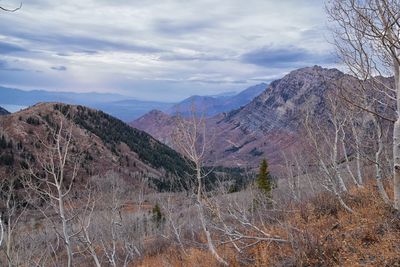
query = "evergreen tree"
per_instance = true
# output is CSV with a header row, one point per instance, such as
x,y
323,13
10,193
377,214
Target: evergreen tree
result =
x,y
264,179
157,216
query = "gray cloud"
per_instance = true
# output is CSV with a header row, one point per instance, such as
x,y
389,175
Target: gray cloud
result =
x,y
76,43
286,57
7,48
59,68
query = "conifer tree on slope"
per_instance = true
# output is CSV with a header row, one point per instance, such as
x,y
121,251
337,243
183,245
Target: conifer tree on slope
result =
x,y
264,181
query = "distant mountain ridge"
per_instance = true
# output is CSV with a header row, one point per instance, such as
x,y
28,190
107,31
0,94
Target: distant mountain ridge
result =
x,y
212,105
126,108
120,106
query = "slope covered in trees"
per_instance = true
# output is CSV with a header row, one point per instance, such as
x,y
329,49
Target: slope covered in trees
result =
x,y
105,142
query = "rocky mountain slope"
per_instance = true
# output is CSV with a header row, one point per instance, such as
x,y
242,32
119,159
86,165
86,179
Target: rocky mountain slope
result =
x,y
212,105
265,126
102,142
3,111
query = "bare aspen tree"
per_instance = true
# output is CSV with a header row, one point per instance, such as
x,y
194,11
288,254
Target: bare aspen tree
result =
x,y
1,231
377,161
328,164
292,177
190,139
356,134
174,219
338,122
11,9
346,157
84,222
110,250
55,178
12,215
118,238
367,37
241,226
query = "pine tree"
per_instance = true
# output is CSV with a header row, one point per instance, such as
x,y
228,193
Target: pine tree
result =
x,y
157,216
264,180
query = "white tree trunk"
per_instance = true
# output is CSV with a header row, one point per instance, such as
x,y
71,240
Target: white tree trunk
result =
x,y
347,159
358,154
64,222
202,218
378,167
396,141
342,185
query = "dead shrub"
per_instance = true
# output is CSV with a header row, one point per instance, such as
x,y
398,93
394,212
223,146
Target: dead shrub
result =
x,y
325,204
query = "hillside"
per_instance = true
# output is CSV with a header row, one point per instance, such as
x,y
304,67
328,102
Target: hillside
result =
x,y
3,111
105,142
266,125
319,233
212,105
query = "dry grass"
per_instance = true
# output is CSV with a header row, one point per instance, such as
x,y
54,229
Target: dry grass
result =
x,y
321,233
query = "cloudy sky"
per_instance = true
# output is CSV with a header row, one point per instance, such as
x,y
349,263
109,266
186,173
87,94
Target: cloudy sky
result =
x,y
158,49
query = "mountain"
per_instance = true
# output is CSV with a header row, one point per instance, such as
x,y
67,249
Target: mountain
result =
x,y
158,123
13,96
284,102
3,111
104,142
212,105
129,109
123,107
120,106
265,126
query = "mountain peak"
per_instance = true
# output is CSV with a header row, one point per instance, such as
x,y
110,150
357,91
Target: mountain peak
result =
x,y
212,105
316,70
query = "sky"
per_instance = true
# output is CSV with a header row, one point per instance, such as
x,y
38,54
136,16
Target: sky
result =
x,y
162,50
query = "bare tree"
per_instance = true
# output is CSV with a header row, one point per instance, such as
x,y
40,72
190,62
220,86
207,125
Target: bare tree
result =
x,y
367,37
377,161
54,180
11,9
175,221
117,233
1,231
13,211
326,154
190,139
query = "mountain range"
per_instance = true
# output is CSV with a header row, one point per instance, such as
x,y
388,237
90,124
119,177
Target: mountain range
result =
x,y
120,106
264,127
123,107
212,105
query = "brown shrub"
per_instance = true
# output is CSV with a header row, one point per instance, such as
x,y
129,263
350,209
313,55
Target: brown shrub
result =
x,y
320,233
